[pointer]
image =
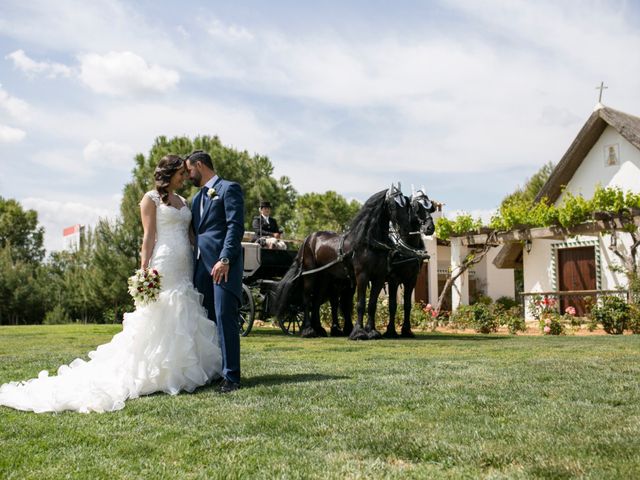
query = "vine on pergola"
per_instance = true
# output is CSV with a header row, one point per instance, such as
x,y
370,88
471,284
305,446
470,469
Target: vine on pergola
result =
x,y
607,204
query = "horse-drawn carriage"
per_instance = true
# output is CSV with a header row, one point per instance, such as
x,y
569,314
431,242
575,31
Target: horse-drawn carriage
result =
x,y
263,268
382,245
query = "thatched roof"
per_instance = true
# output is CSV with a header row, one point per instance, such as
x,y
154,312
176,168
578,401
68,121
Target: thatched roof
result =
x,y
626,125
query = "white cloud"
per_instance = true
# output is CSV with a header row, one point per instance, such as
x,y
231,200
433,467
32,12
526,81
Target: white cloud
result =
x,y
124,73
55,215
62,161
16,108
236,125
232,33
501,84
97,26
108,154
10,134
31,67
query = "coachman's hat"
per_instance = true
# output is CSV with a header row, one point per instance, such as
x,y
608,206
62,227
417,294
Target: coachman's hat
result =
x,y
265,204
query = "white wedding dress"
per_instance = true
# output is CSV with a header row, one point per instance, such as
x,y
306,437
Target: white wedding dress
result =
x,y
166,346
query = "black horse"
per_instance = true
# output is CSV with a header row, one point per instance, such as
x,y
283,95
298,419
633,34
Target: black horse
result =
x,y
328,265
406,261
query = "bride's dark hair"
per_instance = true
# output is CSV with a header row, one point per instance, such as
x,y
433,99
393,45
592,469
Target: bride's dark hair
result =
x,y
167,166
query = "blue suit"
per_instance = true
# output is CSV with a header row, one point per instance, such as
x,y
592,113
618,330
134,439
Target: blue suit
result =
x,y
218,234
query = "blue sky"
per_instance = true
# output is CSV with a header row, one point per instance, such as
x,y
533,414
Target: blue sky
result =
x,y
467,98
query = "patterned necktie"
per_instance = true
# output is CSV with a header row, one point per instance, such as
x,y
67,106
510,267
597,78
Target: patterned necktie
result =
x,y
202,197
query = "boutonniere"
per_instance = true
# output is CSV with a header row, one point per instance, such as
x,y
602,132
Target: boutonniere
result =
x,y
211,193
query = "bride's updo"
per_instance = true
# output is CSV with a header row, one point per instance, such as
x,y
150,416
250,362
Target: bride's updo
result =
x,y
167,166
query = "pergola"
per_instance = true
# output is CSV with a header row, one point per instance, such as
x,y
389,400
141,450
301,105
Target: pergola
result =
x,y
514,241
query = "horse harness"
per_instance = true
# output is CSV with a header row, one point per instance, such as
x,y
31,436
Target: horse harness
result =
x,y
400,252
339,259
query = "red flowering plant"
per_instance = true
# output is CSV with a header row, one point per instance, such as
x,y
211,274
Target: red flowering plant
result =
x,y
433,317
544,309
144,286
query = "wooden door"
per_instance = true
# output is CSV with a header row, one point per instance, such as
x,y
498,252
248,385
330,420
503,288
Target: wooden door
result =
x,y
576,271
421,293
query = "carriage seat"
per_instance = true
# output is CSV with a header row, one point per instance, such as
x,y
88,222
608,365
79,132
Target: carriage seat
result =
x,y
251,254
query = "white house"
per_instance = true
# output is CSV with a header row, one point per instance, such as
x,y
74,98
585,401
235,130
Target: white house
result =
x,y
605,152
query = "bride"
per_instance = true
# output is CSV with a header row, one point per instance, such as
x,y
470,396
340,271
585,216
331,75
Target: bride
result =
x,y
166,346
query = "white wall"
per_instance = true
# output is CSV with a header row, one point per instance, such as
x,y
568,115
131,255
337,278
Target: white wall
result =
x,y
612,280
538,269
592,171
496,282
538,265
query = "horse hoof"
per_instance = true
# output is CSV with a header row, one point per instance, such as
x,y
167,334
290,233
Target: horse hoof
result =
x,y
336,332
358,334
374,335
390,334
308,333
321,332
407,334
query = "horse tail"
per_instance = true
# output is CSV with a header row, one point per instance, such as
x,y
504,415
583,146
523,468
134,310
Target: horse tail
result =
x,y
289,290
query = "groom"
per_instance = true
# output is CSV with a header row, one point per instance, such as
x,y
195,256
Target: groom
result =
x,y
218,224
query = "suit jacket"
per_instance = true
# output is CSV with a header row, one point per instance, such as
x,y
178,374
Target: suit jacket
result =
x,y
262,228
219,230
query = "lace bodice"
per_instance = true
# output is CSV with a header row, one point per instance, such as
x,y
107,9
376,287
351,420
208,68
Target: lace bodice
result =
x,y
172,254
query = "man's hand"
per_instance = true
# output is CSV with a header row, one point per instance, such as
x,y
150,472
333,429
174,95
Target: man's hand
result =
x,y
277,235
219,272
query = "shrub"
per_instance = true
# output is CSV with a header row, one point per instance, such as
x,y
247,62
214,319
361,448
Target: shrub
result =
x,y
484,299
482,318
551,324
513,319
485,319
634,318
421,316
57,316
462,318
540,306
612,313
507,302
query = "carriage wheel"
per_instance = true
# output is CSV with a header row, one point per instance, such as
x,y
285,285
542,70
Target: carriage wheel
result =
x,y
247,312
291,322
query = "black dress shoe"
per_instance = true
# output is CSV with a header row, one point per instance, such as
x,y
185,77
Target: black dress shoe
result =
x,y
216,382
227,386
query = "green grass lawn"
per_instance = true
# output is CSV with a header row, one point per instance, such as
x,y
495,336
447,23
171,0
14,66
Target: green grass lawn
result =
x,y
439,406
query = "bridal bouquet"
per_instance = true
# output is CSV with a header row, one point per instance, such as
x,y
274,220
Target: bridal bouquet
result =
x,y
144,286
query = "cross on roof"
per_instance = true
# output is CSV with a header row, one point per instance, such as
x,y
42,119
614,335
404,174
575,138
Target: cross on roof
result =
x,y
601,87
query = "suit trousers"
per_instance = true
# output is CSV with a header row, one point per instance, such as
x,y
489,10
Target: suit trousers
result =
x,y
223,308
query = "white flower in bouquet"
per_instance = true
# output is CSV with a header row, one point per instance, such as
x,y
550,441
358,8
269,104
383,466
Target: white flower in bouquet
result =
x,y
144,286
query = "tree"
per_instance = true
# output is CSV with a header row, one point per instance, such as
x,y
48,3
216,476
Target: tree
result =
x,y
321,211
19,228
21,290
115,256
532,185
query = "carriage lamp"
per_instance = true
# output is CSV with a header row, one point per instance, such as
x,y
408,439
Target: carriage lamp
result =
x,y
527,245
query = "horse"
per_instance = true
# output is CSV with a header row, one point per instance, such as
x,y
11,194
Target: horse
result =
x,y
406,263
328,263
